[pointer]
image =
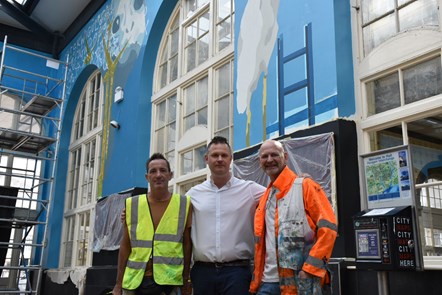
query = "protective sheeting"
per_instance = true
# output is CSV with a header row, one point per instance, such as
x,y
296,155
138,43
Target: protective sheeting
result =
x,y
77,276
108,227
312,156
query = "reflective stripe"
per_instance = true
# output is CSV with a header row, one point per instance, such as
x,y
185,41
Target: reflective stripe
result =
x,y
135,242
319,263
257,239
141,244
327,224
168,260
136,264
157,260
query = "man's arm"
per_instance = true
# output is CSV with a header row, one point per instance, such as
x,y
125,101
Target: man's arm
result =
x,y
322,219
187,248
123,256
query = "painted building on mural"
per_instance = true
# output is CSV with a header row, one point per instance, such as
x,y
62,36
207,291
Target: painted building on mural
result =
x,y
170,75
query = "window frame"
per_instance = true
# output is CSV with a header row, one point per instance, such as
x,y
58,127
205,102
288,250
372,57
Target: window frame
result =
x,y
216,59
74,209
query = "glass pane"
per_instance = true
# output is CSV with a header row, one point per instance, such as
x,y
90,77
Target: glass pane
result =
x,y
426,149
224,8
222,113
383,94
171,109
160,136
174,68
161,114
423,80
224,34
419,13
74,178
202,117
204,24
190,56
80,117
163,75
164,54
189,122
186,162
386,138
184,188
223,80
372,9
191,33
224,133
83,234
191,6
86,172
170,156
189,100
174,42
200,162
203,94
171,130
202,2
378,32
96,110
175,23
69,238
203,49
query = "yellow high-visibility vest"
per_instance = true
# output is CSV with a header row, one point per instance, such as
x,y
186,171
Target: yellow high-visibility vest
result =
x,y
166,242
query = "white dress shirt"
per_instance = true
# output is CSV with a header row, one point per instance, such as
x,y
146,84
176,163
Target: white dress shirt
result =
x,y
222,220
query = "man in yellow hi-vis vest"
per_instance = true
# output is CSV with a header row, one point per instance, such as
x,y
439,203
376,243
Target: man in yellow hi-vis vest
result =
x,y
155,250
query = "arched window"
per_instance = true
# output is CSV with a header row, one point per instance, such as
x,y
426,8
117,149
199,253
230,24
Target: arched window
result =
x,y
81,188
193,87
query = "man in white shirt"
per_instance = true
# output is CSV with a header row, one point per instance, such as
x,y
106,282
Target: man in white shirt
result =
x,y
222,226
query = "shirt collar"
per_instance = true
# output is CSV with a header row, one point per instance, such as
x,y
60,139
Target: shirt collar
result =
x,y
228,184
284,179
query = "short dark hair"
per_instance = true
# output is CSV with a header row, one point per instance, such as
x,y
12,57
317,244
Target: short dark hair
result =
x,y
156,156
218,140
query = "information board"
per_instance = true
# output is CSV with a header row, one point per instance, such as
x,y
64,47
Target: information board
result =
x,y
388,180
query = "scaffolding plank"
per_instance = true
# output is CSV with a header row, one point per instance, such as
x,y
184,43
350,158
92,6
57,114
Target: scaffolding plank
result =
x,y
16,140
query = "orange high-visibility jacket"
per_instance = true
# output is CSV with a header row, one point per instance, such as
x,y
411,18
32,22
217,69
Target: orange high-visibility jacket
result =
x,y
320,217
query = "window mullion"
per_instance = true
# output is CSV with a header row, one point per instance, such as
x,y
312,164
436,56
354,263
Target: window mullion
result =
x,y
401,87
211,101
404,133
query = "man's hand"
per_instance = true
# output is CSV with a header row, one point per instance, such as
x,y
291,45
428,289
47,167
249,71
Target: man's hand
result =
x,y
186,289
304,275
117,290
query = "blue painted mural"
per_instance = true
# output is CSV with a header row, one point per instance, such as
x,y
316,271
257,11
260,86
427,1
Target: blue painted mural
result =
x,y
286,67
112,42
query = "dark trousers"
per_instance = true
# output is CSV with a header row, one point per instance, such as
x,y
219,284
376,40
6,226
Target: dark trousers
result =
x,y
149,287
225,280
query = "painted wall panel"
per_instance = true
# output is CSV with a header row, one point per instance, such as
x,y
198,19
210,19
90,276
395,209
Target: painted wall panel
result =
x,y
288,79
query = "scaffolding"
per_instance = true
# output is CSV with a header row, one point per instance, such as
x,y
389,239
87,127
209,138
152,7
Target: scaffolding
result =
x,y
32,90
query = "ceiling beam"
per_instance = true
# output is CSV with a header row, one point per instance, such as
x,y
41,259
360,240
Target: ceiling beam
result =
x,y
30,6
19,15
26,39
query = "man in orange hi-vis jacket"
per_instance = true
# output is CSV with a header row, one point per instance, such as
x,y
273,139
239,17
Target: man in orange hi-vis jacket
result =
x,y
295,230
